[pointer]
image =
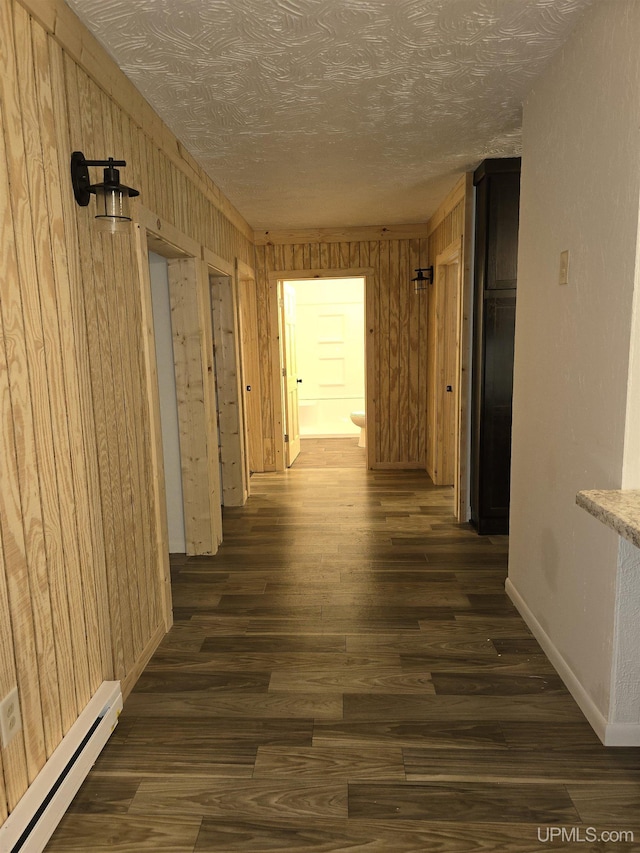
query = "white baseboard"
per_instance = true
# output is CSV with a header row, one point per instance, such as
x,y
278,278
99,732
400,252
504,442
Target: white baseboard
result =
x,y
622,734
33,821
611,734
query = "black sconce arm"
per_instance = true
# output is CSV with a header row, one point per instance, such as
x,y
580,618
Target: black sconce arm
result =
x,y
82,186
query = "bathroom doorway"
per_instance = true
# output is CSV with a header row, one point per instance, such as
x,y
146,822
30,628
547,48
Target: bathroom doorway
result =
x,y
322,332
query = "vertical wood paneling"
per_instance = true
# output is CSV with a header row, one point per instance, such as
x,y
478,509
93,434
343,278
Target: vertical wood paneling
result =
x,y
191,417
116,340
229,391
212,475
383,450
65,563
148,578
298,256
251,371
266,368
449,230
17,520
431,379
155,487
87,327
75,499
29,403
73,330
83,586
373,353
15,773
402,323
106,352
416,305
404,357
60,544
395,352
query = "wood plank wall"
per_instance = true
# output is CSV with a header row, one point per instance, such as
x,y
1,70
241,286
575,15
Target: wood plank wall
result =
x,y
449,228
401,321
251,370
81,596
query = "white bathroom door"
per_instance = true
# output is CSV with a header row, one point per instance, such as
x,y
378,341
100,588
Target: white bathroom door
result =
x,y
290,373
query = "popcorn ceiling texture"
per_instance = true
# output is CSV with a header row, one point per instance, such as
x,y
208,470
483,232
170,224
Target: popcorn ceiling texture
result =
x,y
326,113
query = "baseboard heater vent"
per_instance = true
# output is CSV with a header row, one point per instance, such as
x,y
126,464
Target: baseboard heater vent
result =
x,y
33,821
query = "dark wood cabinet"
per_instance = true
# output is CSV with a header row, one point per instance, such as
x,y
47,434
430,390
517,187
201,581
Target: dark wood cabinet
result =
x,y
497,185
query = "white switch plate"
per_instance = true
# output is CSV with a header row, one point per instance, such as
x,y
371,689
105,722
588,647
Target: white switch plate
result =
x,y
10,719
563,277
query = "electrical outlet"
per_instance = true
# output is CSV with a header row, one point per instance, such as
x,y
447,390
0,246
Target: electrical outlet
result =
x,y
10,719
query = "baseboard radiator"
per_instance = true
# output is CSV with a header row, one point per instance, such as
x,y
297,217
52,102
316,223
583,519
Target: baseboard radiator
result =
x,y
33,821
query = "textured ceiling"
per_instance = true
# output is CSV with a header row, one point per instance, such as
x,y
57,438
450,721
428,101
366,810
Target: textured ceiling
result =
x,y
326,113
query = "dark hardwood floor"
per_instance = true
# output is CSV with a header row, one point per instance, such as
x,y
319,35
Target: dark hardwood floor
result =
x,y
347,674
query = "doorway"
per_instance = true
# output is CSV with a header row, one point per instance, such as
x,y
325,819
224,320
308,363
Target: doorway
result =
x,y
322,333
192,357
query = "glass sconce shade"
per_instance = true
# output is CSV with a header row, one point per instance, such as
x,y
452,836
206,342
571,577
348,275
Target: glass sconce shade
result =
x,y
112,197
421,281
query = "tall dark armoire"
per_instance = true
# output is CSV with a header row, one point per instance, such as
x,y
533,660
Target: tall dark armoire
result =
x,y
497,185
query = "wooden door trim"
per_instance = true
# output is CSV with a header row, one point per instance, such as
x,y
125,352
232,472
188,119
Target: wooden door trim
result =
x,y
282,372
158,235
244,275
455,251
238,457
304,275
275,278
152,233
218,264
171,243
250,363
226,339
153,404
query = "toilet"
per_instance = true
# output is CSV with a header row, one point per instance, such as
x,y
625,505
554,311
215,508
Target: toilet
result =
x,y
359,419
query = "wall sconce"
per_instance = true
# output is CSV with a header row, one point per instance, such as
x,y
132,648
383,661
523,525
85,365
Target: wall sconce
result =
x,y
112,197
421,281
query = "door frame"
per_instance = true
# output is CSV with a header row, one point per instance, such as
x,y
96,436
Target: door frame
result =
x,y
451,255
286,377
203,533
458,250
228,378
249,342
275,278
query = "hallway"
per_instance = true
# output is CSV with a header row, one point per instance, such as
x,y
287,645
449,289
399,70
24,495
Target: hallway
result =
x,y
347,674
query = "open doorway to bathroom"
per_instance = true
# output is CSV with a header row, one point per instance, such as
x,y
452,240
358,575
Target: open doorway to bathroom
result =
x,y
322,333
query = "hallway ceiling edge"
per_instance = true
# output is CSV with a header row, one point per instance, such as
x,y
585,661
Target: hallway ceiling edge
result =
x,y
335,113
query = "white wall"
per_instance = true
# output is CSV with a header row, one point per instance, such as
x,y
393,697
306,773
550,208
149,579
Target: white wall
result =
x,y
168,404
330,349
580,191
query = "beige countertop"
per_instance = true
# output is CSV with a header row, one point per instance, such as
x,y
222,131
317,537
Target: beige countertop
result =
x,y
618,508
